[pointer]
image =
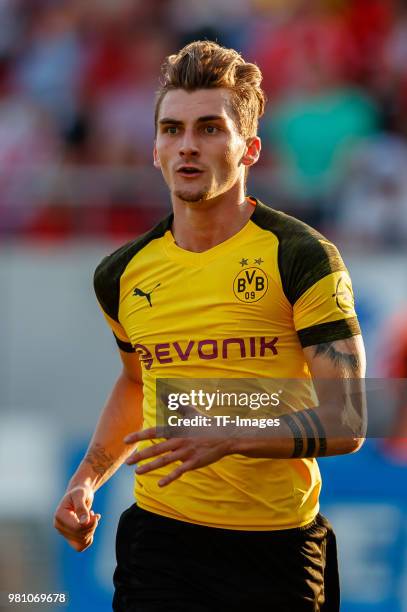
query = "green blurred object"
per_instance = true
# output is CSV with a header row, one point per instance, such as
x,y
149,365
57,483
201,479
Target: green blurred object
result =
x,y
312,135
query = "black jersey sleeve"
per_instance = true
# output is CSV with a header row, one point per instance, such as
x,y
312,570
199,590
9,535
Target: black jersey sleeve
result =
x,y
314,279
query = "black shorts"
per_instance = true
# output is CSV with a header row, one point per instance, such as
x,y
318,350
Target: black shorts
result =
x,y
164,565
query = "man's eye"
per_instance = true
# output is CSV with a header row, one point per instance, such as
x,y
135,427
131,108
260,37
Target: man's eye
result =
x,y
172,129
211,129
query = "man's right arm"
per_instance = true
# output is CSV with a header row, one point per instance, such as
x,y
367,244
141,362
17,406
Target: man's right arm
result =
x,y
121,415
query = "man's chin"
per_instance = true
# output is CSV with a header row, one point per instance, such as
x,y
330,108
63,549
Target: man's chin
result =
x,y
191,196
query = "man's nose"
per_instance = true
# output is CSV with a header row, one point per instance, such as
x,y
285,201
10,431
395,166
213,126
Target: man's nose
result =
x,y
189,145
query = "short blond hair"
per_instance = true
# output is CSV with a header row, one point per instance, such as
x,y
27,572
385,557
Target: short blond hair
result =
x,y
207,65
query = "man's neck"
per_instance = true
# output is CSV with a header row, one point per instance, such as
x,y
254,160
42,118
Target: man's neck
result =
x,y
200,226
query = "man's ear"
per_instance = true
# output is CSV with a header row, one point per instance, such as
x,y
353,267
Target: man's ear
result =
x,y
252,151
156,159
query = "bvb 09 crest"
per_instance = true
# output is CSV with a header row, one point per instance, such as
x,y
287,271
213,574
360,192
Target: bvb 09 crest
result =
x,y
250,285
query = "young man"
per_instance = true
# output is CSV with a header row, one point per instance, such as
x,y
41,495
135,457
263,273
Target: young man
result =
x,y
223,288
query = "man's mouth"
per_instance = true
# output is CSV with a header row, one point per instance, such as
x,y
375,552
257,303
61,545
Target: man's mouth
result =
x,y
189,171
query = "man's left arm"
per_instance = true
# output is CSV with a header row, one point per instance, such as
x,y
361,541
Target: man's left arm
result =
x,y
338,425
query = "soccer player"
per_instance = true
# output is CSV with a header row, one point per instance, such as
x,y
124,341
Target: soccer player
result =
x,y
225,287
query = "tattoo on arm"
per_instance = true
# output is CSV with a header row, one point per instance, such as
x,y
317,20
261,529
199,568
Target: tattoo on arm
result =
x,y
309,420
297,435
100,460
309,433
320,430
337,357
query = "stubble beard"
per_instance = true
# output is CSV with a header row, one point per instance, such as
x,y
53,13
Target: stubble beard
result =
x,y
188,196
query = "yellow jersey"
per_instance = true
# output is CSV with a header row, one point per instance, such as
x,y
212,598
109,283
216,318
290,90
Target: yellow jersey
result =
x,y
242,309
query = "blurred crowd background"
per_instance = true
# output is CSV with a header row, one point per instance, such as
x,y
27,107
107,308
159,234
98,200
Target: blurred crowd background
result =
x,y
77,83
77,86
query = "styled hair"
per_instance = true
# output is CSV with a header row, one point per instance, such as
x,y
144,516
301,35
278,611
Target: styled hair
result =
x,y
206,65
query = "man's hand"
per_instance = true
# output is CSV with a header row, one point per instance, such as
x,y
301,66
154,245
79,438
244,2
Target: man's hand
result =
x,y
192,452
74,518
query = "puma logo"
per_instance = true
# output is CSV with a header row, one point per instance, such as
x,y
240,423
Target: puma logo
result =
x,y
141,293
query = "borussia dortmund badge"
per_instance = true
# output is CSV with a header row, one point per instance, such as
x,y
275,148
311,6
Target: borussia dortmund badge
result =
x,y
251,283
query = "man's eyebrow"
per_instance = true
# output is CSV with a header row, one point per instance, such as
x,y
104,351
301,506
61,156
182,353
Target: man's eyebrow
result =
x,y
204,119
169,120
210,118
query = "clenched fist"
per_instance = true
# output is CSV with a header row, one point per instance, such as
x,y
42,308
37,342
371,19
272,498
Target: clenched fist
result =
x,y
74,518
